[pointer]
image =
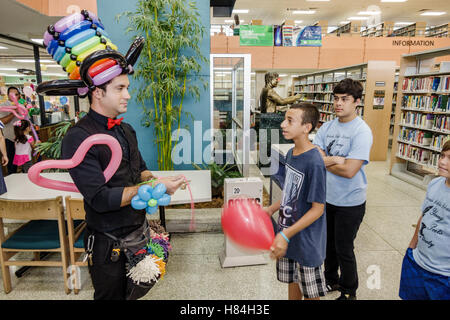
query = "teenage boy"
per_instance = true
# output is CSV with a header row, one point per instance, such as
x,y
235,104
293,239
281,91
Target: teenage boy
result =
x,y
426,265
300,244
345,144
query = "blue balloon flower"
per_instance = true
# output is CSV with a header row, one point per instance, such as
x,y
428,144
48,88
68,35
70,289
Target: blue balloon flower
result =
x,y
149,198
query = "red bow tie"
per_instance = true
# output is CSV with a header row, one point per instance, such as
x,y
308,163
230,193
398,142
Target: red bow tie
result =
x,y
113,122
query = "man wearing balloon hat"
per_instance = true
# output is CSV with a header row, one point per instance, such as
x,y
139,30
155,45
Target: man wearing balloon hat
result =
x,y
80,45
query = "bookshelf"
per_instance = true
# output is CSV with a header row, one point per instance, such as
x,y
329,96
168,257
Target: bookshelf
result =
x,y
351,28
422,116
377,78
416,29
382,29
440,31
394,105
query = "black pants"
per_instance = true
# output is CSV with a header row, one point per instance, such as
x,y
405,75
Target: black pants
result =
x,y
342,226
11,151
108,277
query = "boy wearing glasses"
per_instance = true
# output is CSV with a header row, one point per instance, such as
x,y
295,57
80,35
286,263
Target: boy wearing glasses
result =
x,y
345,144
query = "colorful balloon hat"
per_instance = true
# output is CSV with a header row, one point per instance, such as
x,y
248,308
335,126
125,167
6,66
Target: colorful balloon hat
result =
x,y
81,46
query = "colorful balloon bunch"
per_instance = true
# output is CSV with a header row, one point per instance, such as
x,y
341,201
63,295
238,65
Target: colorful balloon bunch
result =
x,y
148,265
70,40
80,44
149,198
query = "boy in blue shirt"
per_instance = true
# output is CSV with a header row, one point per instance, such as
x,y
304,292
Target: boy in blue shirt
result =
x,y
345,144
426,265
300,244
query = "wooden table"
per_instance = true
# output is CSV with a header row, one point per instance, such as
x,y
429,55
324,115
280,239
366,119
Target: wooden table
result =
x,y
21,188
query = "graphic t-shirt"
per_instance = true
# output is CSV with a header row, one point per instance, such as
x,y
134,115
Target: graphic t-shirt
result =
x,y
304,184
351,140
433,247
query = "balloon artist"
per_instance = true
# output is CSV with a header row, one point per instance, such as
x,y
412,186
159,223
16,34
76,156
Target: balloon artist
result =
x,y
80,45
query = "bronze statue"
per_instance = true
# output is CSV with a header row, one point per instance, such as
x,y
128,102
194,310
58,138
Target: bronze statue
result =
x,y
269,99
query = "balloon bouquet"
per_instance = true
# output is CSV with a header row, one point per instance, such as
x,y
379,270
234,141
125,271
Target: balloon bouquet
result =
x,y
80,44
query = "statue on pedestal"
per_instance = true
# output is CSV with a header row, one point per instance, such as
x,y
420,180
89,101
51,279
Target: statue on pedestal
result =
x,y
269,98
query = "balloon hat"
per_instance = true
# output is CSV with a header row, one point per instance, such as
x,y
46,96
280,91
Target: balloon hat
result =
x,y
81,46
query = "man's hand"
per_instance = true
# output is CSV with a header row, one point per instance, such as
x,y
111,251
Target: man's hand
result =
x,y
338,160
4,160
172,183
279,247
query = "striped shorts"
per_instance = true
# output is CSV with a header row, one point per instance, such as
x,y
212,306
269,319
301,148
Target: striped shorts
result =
x,y
311,279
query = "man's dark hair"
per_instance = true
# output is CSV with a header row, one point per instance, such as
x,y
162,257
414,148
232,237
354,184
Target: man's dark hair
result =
x,y
446,146
103,86
350,87
310,114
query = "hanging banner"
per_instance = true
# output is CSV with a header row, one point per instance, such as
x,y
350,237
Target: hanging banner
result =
x,y
250,35
309,37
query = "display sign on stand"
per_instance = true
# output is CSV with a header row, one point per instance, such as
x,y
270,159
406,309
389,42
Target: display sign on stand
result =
x,y
233,254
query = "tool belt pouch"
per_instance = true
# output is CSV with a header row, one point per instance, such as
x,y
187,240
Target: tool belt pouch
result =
x,y
143,263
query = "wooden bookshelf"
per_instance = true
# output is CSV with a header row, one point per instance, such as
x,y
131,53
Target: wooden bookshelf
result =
x,y
441,31
416,29
422,116
375,76
382,29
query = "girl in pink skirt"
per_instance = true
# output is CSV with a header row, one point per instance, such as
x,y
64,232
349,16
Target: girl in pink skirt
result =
x,y
24,145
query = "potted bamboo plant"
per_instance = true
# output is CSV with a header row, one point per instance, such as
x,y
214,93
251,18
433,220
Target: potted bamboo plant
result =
x,y
170,62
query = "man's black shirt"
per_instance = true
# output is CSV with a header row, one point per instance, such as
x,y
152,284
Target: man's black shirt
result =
x,y
102,200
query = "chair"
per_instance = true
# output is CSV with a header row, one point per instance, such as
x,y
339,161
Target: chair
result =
x,y
45,232
75,230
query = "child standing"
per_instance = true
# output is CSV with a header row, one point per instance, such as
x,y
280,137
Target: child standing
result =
x,y
24,143
300,244
426,265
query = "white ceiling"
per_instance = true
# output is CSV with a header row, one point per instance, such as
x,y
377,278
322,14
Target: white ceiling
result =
x,y
335,11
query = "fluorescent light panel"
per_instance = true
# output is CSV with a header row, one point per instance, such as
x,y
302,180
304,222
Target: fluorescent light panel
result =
x,y
31,61
3,48
369,13
433,13
403,23
304,12
240,11
298,21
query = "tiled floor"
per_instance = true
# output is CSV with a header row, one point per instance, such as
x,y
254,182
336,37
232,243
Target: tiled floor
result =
x,y
194,270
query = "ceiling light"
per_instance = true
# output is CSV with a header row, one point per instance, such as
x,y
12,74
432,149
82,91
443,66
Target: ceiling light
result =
x,y
240,11
8,69
298,21
40,41
51,65
304,12
403,23
11,75
31,61
358,18
3,48
282,75
344,22
369,13
433,13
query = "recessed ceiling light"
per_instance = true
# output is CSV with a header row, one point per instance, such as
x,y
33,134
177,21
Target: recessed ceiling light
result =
x,y
8,69
433,13
240,11
3,48
344,22
298,21
358,18
403,23
369,13
304,12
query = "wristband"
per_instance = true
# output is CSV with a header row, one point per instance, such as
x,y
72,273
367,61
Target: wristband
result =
x,y
284,236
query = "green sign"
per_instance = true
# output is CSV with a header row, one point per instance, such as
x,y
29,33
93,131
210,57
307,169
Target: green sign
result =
x,y
255,35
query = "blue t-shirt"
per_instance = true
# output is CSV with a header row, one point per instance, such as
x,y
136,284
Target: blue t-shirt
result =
x,y
304,183
351,140
433,247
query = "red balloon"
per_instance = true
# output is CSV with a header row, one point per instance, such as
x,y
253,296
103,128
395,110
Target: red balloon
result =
x,y
247,224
